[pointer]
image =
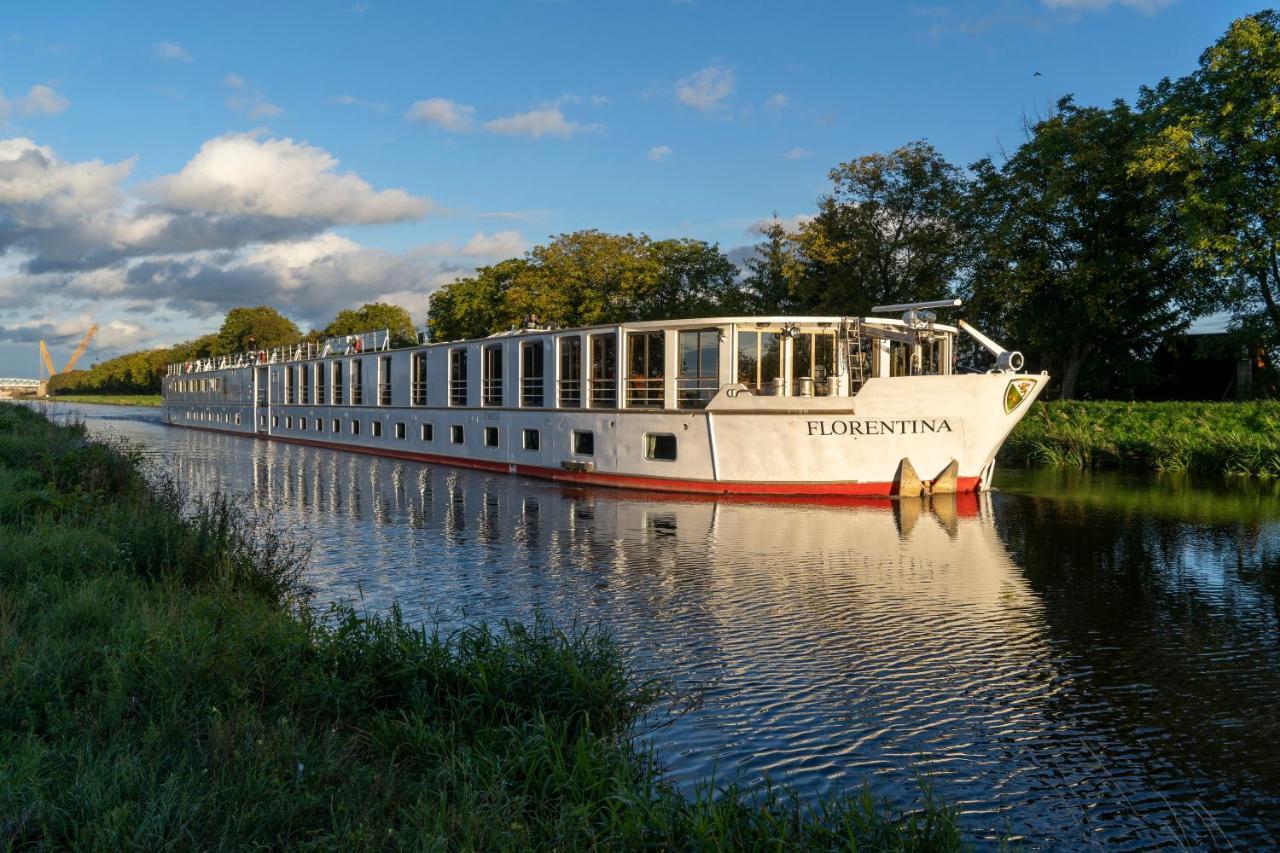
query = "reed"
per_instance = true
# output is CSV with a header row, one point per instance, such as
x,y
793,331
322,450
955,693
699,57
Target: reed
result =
x,y
1218,438
165,682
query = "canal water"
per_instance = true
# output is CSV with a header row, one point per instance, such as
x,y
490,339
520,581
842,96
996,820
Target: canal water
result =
x,y
1070,661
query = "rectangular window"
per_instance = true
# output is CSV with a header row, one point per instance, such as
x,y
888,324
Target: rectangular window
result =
x,y
319,424
584,442
531,393
355,427
262,420
418,379
428,432
570,381
337,425
660,446
384,380
320,395
304,373
337,383
760,361
813,362
288,422
455,434
275,421
288,385
375,429
646,387
490,436
457,377
604,371
531,439
699,378
400,429
357,381
491,376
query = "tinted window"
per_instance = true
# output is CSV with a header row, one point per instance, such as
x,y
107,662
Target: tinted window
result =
x,y
584,442
660,445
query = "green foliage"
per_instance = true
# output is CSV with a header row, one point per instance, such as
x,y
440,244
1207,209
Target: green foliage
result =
x,y
1076,258
262,327
773,271
132,373
1217,135
588,278
885,233
164,684
372,317
1220,438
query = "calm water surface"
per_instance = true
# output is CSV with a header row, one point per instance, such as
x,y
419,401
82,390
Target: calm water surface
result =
x,y
1072,661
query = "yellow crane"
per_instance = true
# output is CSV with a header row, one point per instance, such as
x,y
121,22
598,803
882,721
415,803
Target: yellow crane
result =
x,y
75,356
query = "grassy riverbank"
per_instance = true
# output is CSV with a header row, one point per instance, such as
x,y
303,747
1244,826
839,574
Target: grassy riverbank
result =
x,y
110,399
163,683
1218,438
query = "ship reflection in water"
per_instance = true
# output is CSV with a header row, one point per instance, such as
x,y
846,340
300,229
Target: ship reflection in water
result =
x,y
1064,672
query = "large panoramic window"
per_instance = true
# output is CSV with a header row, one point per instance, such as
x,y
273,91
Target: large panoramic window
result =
x,y
337,383
457,377
491,375
813,362
531,375
357,381
699,377
604,371
304,372
288,385
645,364
320,384
384,380
759,360
418,379
570,379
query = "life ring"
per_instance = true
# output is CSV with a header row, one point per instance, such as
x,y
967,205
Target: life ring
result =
x,y
262,356
359,345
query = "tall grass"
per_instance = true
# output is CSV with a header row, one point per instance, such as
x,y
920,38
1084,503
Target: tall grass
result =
x,y
1219,438
164,683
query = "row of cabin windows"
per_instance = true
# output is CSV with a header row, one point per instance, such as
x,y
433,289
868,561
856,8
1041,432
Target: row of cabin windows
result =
x,y
197,386
697,381
212,417
658,446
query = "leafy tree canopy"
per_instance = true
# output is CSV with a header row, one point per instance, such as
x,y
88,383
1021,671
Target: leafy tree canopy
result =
x,y
262,327
372,317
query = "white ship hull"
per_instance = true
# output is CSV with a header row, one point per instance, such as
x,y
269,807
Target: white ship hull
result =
x,y
882,439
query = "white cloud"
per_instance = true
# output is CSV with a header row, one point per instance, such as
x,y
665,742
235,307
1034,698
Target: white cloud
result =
x,y
39,100
776,101
1146,7
499,245
239,174
537,123
707,89
252,103
790,223
443,112
353,101
169,51
235,81
796,153
660,152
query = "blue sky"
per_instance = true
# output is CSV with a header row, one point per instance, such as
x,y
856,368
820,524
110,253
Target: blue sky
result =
x,y
160,162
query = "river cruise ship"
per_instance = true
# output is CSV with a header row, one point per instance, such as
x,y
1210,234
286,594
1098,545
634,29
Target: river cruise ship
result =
x,y
782,406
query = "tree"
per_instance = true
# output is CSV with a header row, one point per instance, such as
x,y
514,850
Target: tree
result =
x,y
886,233
587,278
1077,258
1218,134
262,327
695,279
372,317
773,271
477,305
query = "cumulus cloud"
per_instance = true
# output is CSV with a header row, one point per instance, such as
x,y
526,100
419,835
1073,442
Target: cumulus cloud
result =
x,y
659,153
443,112
39,100
169,51
245,221
706,90
353,101
776,101
240,174
537,123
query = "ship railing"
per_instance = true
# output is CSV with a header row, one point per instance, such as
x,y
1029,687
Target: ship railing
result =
x,y
604,393
531,392
695,393
646,393
384,393
357,395
569,393
457,392
491,392
418,393
379,341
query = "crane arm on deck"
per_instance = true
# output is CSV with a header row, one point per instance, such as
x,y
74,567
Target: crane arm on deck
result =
x,y
44,357
84,345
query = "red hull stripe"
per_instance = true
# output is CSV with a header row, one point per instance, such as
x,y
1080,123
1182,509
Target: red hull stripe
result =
x,y
849,489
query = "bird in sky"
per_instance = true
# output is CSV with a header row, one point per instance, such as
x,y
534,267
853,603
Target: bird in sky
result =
x,y
1037,74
